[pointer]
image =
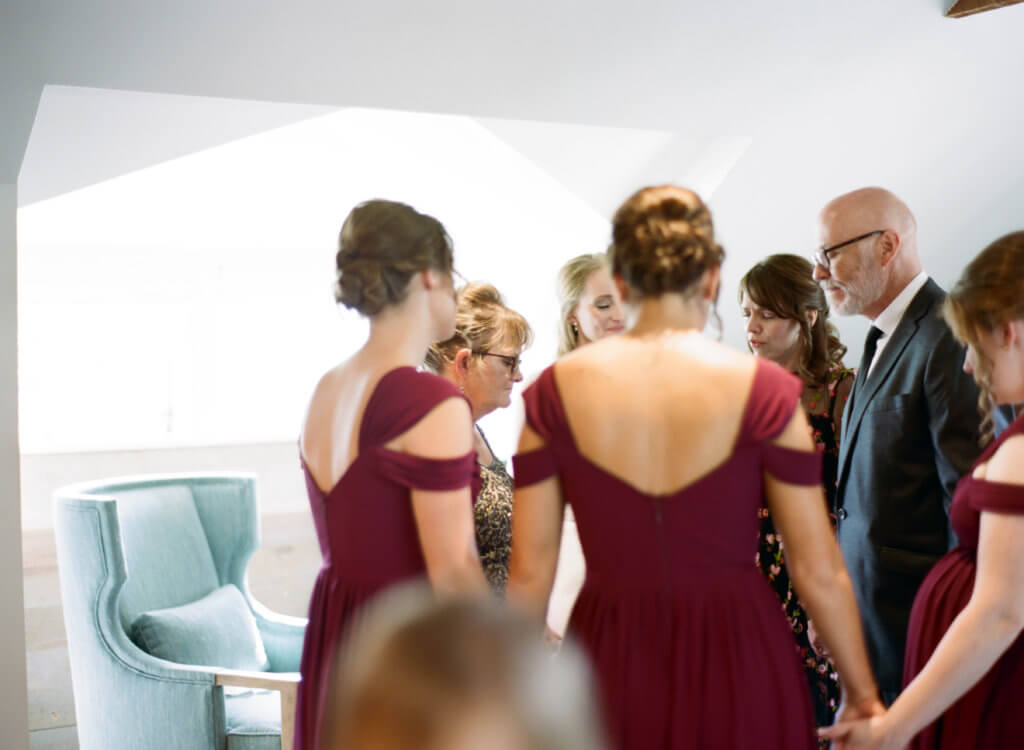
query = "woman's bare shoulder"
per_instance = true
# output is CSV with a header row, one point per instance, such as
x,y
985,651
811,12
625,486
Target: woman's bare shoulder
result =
x,y
1007,464
332,382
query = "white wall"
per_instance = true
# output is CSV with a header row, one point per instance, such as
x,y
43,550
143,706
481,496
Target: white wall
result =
x,y
280,486
13,696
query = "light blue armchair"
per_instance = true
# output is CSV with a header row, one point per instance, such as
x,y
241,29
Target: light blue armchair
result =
x,y
162,560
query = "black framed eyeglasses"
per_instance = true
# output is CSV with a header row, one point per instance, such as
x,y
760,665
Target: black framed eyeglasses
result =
x,y
822,257
511,362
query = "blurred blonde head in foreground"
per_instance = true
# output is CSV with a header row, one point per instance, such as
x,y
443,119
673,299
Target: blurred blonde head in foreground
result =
x,y
458,674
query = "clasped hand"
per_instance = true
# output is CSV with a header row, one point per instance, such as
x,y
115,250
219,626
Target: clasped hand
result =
x,y
861,728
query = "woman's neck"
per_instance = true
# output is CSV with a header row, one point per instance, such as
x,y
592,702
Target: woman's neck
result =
x,y
399,335
790,361
669,312
449,374
484,456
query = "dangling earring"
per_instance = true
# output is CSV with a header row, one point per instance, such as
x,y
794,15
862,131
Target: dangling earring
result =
x,y
575,329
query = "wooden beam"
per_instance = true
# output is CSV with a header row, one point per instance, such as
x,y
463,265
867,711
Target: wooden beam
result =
x,y
963,8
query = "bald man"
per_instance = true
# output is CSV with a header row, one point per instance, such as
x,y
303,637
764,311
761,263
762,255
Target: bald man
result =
x,y
910,427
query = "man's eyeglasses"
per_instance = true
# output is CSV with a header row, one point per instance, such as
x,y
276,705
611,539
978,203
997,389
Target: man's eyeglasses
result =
x,y
822,257
512,363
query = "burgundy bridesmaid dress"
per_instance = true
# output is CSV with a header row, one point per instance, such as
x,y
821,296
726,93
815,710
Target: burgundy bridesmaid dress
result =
x,y
366,529
991,714
689,642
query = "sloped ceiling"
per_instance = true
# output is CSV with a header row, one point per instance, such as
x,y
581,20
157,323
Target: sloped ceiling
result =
x,y
826,96
84,136
730,67
598,164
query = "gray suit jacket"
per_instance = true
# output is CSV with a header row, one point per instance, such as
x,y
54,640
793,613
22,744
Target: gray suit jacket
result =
x,y
910,431
1003,416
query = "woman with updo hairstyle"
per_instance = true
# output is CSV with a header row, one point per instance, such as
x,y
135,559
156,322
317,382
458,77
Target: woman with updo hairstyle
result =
x,y
387,451
787,323
482,359
963,675
460,674
590,305
665,443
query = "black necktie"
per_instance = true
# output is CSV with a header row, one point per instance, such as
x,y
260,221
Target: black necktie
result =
x,y
870,347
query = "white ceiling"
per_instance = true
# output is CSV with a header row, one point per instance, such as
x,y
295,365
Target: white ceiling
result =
x,y
722,67
810,99
82,136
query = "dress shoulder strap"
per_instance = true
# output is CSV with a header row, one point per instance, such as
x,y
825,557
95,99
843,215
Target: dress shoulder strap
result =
x,y
402,398
546,417
774,396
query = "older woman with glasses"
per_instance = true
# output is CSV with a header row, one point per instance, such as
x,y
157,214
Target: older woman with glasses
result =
x,y
482,360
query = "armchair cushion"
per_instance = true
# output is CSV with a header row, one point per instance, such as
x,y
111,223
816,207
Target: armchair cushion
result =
x,y
218,630
253,720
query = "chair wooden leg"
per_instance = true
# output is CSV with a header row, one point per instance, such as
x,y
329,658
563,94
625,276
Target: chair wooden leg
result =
x,y
287,719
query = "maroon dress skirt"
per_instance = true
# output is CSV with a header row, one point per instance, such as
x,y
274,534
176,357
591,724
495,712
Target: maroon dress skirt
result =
x,y
366,530
683,631
990,714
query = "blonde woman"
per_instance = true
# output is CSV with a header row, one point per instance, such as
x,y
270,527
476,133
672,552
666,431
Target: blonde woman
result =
x,y
482,359
590,310
591,307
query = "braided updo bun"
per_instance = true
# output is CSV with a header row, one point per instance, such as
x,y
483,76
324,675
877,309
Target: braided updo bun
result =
x,y
383,244
663,240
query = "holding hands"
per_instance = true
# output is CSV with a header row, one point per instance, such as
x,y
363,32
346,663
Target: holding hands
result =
x,y
865,726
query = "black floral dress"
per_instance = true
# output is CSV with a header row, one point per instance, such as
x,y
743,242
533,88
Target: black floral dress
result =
x,y
492,517
821,675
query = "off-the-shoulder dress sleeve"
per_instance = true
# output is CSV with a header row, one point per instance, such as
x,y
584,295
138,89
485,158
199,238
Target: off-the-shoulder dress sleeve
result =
x,y
774,397
402,398
544,415
996,497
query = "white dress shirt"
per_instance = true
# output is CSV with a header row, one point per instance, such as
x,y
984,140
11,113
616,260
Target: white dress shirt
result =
x,y
890,317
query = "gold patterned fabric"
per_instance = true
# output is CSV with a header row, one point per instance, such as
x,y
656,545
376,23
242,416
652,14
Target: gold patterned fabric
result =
x,y
492,516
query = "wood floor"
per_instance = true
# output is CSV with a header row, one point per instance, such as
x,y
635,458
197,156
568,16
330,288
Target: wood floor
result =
x,y
281,576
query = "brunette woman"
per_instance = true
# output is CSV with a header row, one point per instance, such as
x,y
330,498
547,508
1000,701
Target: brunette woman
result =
x,y
787,323
683,630
387,451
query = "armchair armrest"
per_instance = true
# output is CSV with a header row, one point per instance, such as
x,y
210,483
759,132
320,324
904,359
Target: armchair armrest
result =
x,y
282,636
286,683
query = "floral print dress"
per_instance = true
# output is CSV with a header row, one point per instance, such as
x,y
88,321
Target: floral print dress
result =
x,y
821,675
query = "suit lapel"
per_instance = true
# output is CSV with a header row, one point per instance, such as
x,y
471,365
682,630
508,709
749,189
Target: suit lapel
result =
x,y
908,326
